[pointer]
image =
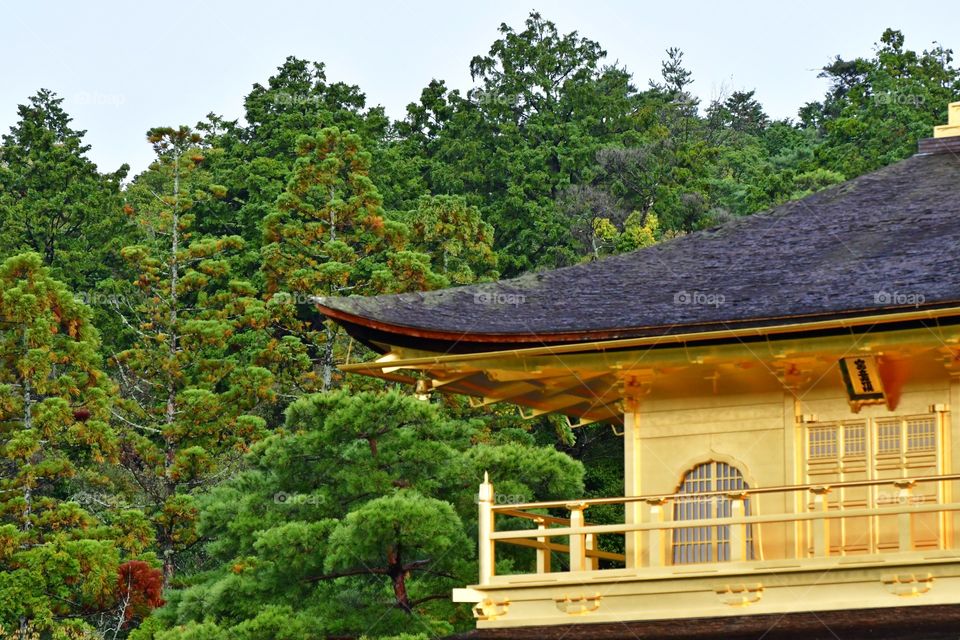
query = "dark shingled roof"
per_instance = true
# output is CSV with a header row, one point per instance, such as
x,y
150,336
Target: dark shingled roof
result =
x,y
887,241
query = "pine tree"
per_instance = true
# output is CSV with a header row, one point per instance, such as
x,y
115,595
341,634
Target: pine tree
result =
x,y
258,156
60,564
190,388
357,519
455,237
329,235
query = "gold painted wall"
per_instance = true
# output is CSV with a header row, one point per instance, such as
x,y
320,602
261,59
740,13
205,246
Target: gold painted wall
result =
x,y
751,420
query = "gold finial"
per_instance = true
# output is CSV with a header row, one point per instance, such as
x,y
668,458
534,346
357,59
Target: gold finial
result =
x,y
952,128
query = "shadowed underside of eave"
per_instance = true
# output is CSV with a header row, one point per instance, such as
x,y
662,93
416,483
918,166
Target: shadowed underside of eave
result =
x,y
589,382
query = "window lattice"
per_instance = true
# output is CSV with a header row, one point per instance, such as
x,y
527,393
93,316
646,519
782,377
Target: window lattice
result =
x,y
855,439
921,435
822,442
888,437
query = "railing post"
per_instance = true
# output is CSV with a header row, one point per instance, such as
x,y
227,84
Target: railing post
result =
x,y
578,549
485,529
821,526
543,553
738,531
593,562
905,520
657,540
632,472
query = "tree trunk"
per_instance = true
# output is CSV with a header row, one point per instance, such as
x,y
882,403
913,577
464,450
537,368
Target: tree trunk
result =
x,y
399,578
171,409
168,566
400,590
327,364
27,426
174,278
333,217
50,251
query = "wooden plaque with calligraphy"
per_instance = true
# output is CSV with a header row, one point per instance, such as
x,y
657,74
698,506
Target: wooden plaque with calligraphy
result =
x,y
861,377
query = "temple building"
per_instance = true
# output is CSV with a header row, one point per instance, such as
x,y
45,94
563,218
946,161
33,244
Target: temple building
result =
x,y
787,387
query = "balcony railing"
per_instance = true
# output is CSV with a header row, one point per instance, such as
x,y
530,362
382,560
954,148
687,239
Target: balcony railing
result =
x,y
649,537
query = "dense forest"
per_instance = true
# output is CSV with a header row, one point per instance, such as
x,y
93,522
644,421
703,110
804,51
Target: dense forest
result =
x,y
180,458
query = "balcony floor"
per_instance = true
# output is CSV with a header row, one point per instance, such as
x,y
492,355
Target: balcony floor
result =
x,y
742,599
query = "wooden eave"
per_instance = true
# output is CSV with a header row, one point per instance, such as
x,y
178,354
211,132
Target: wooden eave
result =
x,y
377,333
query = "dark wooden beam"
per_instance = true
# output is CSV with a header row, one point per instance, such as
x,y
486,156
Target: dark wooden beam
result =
x,y
936,622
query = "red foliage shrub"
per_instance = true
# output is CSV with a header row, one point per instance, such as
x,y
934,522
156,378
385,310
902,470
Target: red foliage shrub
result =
x,y
140,586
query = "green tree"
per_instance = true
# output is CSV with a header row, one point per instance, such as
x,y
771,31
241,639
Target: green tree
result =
x,y
358,519
329,235
454,236
741,113
877,108
258,157
542,106
53,200
60,564
190,384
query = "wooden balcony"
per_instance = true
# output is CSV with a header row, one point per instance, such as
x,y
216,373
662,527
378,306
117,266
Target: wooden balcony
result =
x,y
759,552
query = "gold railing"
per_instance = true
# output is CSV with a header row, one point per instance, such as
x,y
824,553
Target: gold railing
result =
x,y
582,552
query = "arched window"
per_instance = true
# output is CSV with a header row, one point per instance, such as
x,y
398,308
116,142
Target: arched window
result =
x,y
707,544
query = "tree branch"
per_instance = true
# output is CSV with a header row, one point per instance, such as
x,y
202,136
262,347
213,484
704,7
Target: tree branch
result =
x,y
351,572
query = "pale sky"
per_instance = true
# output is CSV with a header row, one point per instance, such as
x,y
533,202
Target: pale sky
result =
x,y
124,67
